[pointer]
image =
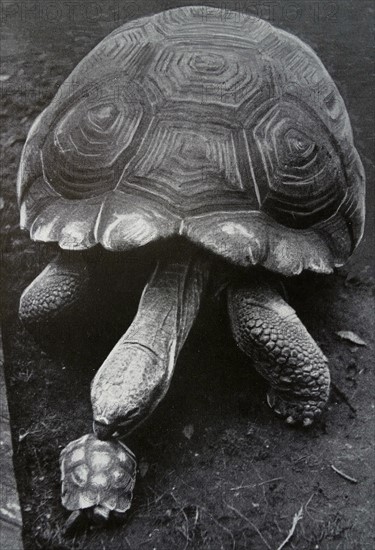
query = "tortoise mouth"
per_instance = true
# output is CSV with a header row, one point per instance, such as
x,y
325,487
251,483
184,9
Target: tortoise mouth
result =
x,y
102,431
123,425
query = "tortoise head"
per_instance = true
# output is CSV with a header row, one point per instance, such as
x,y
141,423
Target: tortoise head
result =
x,y
120,403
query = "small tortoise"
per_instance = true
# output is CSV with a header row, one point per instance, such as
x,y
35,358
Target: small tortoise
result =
x,y
97,477
212,127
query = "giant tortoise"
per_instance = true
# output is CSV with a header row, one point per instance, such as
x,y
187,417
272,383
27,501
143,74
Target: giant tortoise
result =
x,y
200,125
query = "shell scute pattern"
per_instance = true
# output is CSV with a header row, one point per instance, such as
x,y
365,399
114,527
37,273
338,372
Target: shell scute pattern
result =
x,y
97,472
203,71
206,123
80,158
303,180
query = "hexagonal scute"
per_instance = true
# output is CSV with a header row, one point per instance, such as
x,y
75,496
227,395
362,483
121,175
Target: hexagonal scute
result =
x,y
202,71
95,472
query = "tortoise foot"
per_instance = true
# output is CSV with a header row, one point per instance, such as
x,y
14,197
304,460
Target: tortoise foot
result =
x,y
268,330
94,517
293,409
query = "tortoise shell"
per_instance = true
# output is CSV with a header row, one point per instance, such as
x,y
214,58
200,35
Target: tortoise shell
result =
x,y
204,123
95,472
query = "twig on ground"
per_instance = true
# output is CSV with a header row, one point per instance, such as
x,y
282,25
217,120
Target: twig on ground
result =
x,y
228,531
296,460
196,517
277,525
250,523
256,484
308,502
185,530
343,474
159,497
307,511
297,517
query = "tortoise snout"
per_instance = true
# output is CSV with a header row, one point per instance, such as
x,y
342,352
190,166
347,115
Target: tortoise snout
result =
x,y
102,431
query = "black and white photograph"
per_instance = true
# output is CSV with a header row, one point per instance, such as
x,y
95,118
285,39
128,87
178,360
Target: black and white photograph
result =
x,y
187,275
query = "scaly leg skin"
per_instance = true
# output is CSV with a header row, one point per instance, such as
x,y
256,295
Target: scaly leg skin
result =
x,y
268,330
59,292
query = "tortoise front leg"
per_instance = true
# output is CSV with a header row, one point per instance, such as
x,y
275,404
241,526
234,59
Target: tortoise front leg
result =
x,y
268,330
59,292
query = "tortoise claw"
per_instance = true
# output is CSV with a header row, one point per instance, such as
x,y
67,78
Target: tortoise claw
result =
x,y
293,410
271,403
307,422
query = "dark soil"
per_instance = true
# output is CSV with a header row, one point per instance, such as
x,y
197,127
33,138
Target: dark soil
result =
x,y
243,475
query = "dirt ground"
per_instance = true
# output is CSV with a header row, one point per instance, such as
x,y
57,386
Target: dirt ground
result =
x,y
217,470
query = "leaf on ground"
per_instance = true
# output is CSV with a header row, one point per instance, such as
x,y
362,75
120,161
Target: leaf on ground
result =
x,y
351,337
188,431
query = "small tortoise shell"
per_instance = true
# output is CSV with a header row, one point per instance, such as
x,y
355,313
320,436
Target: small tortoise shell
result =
x,y
95,472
